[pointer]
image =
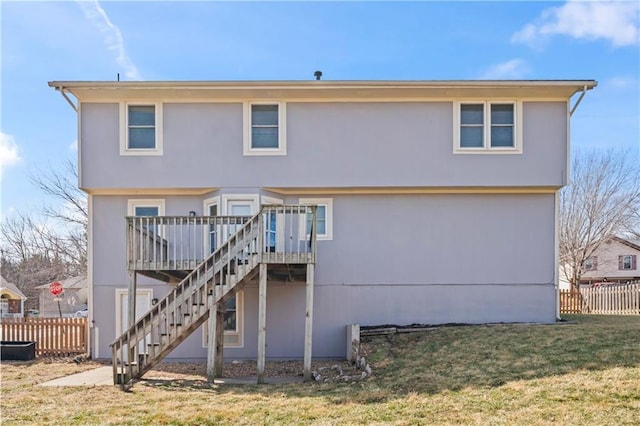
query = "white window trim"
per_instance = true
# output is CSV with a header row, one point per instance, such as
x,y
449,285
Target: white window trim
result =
x,y
124,130
206,204
328,203
232,339
253,198
624,257
142,202
280,221
487,149
589,265
282,130
159,203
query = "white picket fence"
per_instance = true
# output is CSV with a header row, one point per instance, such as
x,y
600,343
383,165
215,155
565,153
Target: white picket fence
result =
x,y
622,299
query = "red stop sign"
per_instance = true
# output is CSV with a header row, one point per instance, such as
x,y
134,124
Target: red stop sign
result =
x,y
55,288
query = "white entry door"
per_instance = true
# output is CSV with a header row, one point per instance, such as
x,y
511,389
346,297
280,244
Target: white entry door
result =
x,y
143,304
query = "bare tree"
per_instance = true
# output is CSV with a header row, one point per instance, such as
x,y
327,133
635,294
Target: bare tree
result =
x,y
50,243
62,184
600,202
69,238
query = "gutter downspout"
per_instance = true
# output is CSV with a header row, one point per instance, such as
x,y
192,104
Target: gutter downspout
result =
x,y
584,91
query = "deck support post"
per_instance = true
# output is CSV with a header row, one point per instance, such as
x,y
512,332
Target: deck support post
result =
x,y
308,323
211,335
131,317
262,321
133,289
219,355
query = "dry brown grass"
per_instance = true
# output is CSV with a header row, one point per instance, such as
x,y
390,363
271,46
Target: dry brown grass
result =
x,y
583,373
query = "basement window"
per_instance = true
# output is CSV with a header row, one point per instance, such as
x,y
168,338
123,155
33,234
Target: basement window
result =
x,y
233,323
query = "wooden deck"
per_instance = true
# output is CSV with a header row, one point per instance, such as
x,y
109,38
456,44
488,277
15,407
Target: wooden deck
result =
x,y
210,259
169,247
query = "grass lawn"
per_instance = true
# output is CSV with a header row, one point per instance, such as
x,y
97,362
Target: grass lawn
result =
x,y
586,371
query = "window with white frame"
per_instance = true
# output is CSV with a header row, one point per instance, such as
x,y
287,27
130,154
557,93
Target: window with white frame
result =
x,y
214,230
324,218
590,264
264,132
627,262
274,225
487,127
141,129
233,323
147,208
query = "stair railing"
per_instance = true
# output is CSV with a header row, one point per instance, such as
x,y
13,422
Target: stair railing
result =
x,y
278,233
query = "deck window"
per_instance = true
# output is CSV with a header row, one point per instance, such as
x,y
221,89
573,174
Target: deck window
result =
x,y
264,129
214,231
487,127
146,208
141,129
324,218
231,315
233,323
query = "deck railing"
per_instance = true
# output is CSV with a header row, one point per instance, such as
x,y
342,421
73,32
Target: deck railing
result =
x,y
180,243
230,265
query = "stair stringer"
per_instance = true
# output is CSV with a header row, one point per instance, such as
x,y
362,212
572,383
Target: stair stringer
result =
x,y
193,326
196,286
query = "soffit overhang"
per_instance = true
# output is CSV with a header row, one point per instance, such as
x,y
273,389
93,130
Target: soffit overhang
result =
x,y
86,91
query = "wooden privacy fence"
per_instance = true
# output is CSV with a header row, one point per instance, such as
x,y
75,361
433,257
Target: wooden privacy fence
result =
x,y
56,337
570,302
619,299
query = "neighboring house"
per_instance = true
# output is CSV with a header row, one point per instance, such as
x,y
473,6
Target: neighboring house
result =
x,y
436,203
614,261
11,300
72,300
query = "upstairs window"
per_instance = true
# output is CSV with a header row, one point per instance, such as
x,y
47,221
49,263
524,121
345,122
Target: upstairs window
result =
x,y
590,264
141,129
264,129
627,262
487,127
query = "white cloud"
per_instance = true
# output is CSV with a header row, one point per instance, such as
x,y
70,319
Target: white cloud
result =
x,y
513,69
73,146
9,155
112,36
622,82
615,21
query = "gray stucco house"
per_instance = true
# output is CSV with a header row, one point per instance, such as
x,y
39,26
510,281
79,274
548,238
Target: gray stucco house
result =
x,y
430,202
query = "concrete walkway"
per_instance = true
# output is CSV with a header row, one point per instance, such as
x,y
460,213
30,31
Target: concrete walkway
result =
x,y
103,376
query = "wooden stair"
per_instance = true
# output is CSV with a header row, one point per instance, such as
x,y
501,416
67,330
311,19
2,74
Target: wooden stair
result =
x,y
187,307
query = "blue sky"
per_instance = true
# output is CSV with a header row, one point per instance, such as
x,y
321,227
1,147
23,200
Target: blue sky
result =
x,y
93,40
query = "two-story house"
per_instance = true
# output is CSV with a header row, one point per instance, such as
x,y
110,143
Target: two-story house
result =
x,y
614,261
432,202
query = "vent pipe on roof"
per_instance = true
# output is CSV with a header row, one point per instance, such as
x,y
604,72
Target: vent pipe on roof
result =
x,y
318,74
